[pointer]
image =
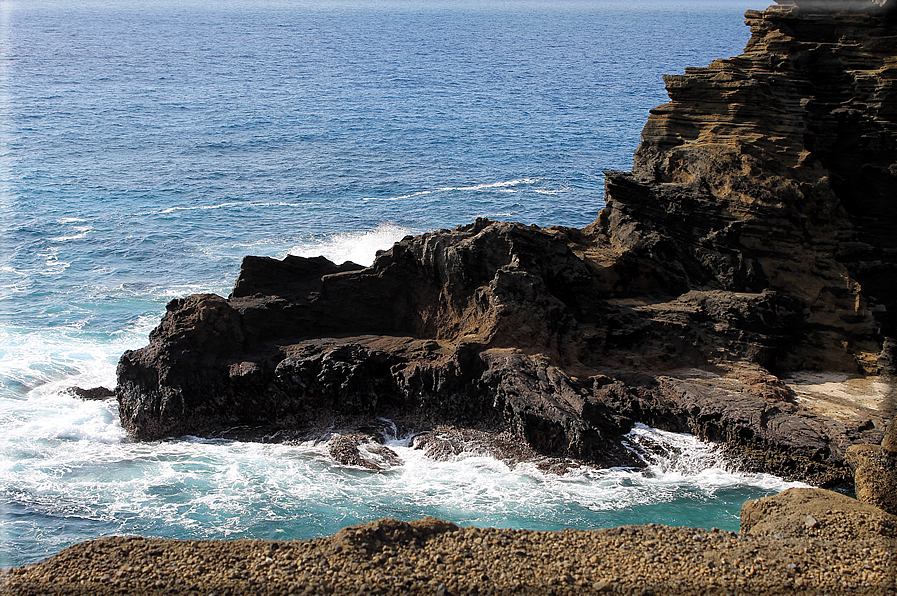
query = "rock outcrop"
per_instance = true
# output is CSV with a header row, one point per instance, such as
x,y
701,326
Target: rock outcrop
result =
x,y
816,513
776,169
92,394
752,238
875,471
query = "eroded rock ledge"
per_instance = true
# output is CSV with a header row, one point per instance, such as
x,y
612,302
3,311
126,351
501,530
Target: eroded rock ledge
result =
x,y
752,239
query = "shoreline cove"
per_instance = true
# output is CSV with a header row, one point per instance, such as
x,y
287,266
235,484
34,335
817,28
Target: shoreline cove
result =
x,y
147,149
567,337
736,286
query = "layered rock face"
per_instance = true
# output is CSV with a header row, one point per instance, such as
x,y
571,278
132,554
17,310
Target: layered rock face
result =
x,y
776,169
752,237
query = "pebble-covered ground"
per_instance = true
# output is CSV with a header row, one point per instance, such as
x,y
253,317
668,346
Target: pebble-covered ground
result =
x,y
436,557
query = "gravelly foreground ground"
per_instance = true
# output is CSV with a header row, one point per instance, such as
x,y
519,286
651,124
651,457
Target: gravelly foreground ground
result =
x,y
435,557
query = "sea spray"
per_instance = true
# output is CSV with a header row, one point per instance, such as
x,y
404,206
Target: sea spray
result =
x,y
69,475
358,247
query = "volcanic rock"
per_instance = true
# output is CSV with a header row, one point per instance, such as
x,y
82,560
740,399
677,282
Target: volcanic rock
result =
x,y
92,394
753,238
358,450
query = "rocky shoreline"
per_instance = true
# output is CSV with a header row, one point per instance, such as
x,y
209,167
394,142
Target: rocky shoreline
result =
x,y
801,541
750,244
741,285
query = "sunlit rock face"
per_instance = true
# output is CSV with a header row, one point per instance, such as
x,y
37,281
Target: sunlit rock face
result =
x,y
867,6
777,169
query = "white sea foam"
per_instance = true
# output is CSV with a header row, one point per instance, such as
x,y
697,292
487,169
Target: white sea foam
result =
x,y
471,486
491,185
674,458
200,207
56,415
502,186
80,232
552,191
36,363
54,266
357,247
68,462
230,204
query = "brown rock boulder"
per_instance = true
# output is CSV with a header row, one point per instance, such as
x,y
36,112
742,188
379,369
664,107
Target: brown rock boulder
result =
x,y
889,443
776,169
813,512
875,472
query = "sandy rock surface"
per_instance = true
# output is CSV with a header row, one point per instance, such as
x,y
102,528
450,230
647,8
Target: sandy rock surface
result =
x,y
816,513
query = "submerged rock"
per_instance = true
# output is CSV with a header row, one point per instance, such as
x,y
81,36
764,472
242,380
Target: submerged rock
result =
x,y
752,238
360,451
92,394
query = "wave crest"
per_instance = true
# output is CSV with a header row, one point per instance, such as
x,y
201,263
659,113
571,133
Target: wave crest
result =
x,y
357,247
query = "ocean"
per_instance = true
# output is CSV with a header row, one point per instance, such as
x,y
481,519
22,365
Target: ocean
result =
x,y
146,147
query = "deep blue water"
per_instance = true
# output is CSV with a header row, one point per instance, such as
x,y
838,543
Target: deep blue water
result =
x,y
146,147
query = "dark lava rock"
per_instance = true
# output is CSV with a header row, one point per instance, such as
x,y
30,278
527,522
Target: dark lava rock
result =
x,y
95,393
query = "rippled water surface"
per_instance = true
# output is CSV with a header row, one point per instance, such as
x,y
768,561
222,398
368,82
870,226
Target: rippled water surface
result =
x,y
146,147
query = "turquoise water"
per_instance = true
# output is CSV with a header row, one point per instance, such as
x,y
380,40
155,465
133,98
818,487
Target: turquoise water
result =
x,y
145,149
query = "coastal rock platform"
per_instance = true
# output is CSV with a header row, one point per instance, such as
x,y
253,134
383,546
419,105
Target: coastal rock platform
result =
x,y
751,246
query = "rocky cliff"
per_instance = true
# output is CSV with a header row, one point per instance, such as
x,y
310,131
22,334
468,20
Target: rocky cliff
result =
x,y
776,169
751,240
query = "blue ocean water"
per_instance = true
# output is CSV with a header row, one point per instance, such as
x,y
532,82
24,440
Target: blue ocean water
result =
x,y
145,148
